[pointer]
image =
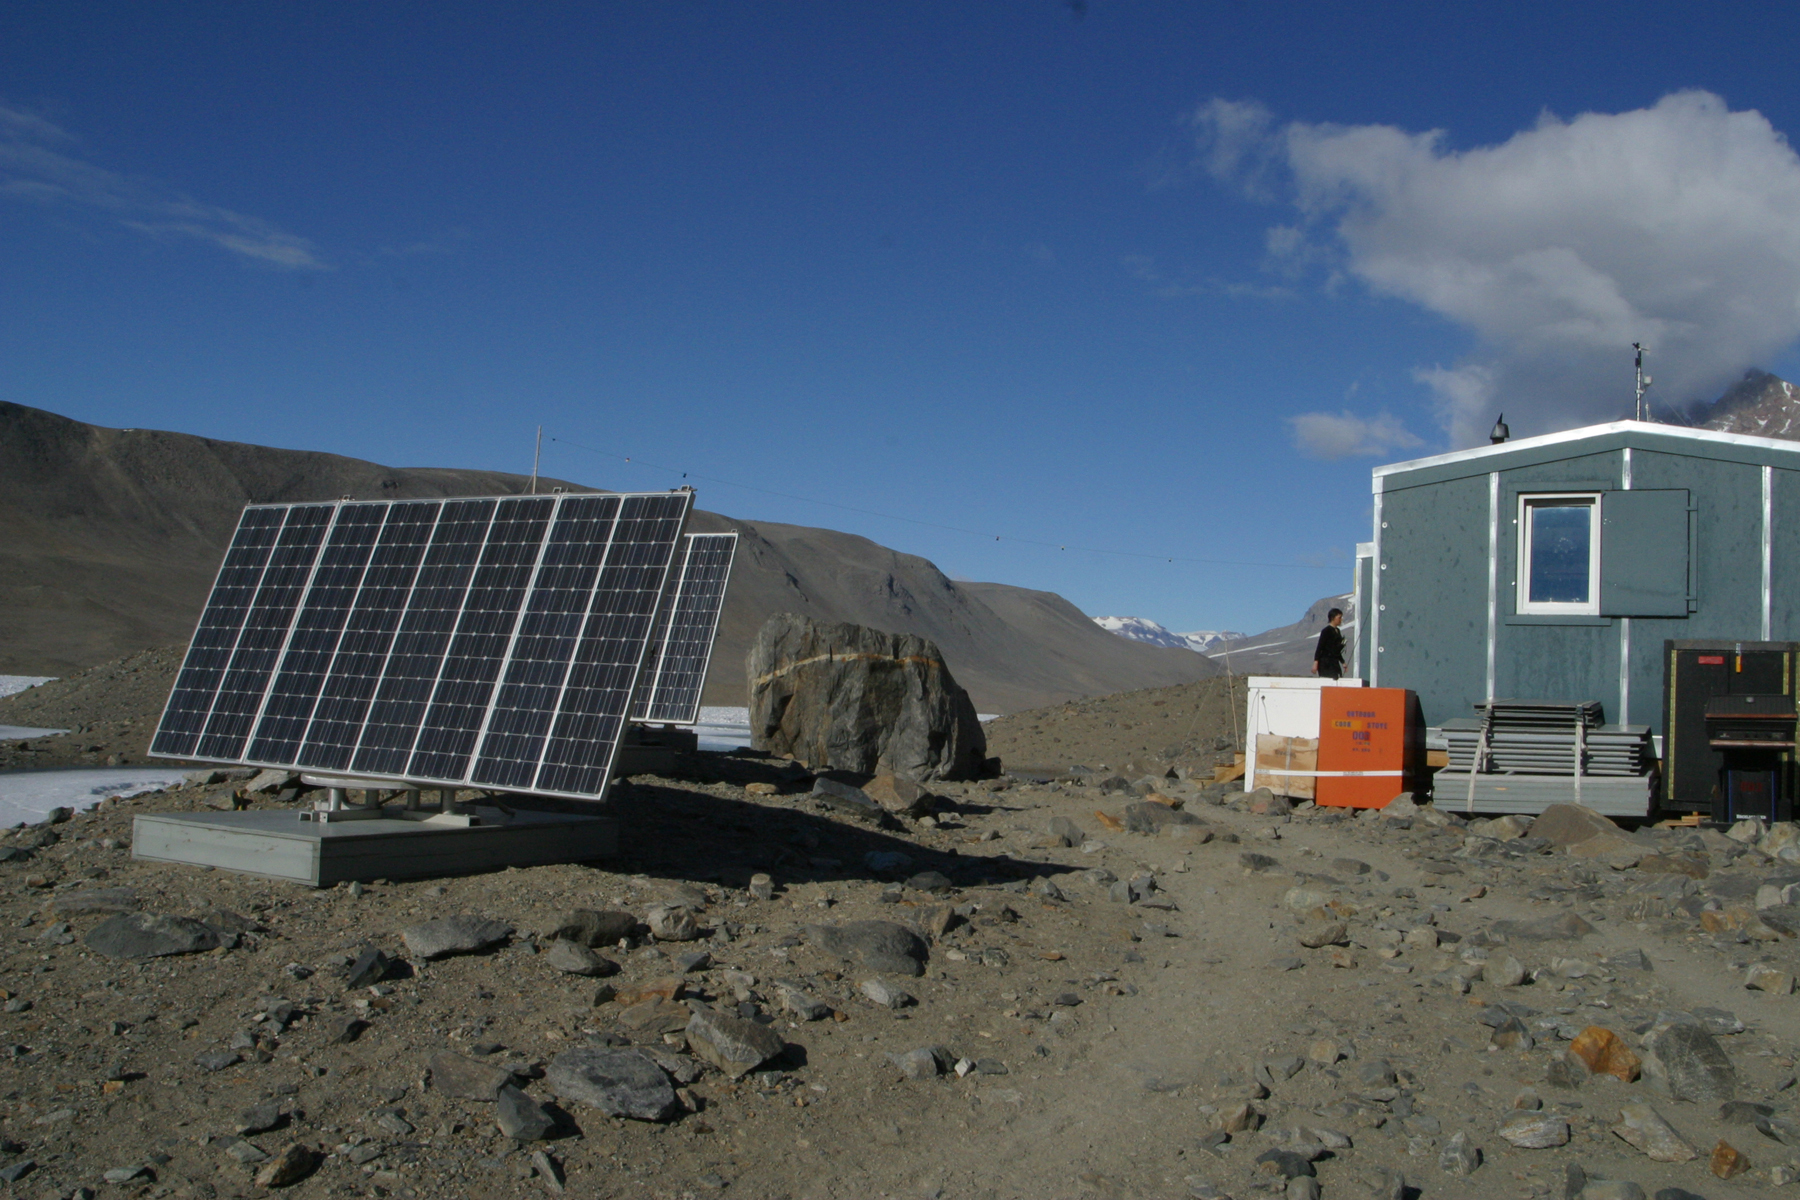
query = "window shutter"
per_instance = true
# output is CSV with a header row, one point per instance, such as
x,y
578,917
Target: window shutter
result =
x,y
1644,554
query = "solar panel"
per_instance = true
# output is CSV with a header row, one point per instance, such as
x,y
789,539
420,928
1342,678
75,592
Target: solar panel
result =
x,y
462,643
686,623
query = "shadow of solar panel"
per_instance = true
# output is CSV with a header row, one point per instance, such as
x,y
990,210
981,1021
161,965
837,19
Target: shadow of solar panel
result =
x,y
686,624
482,642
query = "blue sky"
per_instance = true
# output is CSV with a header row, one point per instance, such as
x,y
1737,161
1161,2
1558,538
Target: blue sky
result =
x,y
1159,279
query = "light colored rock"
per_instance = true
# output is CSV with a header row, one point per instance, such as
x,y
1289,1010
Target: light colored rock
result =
x,y
1459,1156
672,923
898,795
1504,971
1763,978
1644,1127
885,994
1535,1130
732,1044
1748,831
1570,824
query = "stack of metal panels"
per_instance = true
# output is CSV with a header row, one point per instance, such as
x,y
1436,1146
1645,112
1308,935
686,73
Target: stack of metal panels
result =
x,y
1530,762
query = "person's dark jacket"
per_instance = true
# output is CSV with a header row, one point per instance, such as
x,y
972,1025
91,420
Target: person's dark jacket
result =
x,y
1329,656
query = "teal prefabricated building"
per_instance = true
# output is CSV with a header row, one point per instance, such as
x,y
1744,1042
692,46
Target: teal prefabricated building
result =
x,y
1556,567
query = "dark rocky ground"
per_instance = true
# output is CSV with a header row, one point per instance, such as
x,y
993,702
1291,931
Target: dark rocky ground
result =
x,y
1111,1036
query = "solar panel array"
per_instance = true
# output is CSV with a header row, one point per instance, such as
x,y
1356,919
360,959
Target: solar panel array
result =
x,y
491,642
681,648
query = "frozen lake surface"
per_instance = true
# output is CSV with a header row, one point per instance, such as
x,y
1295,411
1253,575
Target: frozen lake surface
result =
x,y
12,685
29,795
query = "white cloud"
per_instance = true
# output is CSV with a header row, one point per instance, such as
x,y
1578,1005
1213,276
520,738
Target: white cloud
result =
x,y
1345,435
31,171
1671,225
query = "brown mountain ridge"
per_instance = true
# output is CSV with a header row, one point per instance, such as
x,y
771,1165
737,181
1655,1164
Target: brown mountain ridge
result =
x,y
110,538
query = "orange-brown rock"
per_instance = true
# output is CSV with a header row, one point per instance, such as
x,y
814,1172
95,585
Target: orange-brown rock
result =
x,y
666,988
1738,918
1604,1052
1111,822
1728,1160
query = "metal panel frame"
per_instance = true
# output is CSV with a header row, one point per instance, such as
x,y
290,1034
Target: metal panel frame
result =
x,y
472,761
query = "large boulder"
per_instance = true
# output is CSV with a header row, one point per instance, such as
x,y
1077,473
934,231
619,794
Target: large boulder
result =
x,y
848,698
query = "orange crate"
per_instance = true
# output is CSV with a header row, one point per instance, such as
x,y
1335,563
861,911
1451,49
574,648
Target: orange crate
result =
x,y
1371,745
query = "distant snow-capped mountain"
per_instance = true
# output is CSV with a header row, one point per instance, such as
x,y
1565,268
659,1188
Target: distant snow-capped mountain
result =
x,y
1140,630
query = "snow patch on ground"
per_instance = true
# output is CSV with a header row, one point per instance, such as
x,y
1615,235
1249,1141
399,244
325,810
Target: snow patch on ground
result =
x,y
30,795
12,685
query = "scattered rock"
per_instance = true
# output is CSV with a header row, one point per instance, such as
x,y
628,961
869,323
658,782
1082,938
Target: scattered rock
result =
x,y
885,994
466,1079
520,1117
1610,1189
588,927
371,966
1332,933
672,923
95,900
898,795
1565,825
1763,978
271,780
462,934
1644,1127
1459,1156
260,1119
924,1063
1604,1052
146,935
573,958
1535,1131
795,999
732,1044
1503,971
879,945
289,1167
1727,1160
848,799
1566,927
1687,1062
618,1082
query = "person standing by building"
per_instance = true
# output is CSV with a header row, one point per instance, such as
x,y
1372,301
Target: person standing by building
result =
x,y
1328,657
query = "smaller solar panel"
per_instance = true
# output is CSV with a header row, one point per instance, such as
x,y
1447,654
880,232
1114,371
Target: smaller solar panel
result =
x,y
686,624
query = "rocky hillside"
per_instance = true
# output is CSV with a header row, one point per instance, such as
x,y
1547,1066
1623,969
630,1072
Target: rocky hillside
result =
x,y
109,540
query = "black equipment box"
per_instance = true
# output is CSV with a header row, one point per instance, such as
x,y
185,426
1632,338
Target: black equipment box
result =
x,y
1728,728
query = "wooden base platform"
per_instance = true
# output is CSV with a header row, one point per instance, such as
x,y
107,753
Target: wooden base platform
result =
x,y
277,844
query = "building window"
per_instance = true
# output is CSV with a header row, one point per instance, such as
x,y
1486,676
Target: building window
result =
x,y
1559,553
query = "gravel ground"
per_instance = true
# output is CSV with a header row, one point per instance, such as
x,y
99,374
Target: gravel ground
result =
x,y
1189,1012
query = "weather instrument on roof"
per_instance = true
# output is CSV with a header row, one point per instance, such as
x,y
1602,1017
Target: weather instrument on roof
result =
x,y
492,643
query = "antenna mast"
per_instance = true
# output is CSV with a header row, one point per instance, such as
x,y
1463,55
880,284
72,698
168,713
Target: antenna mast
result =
x,y
1642,412
539,453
